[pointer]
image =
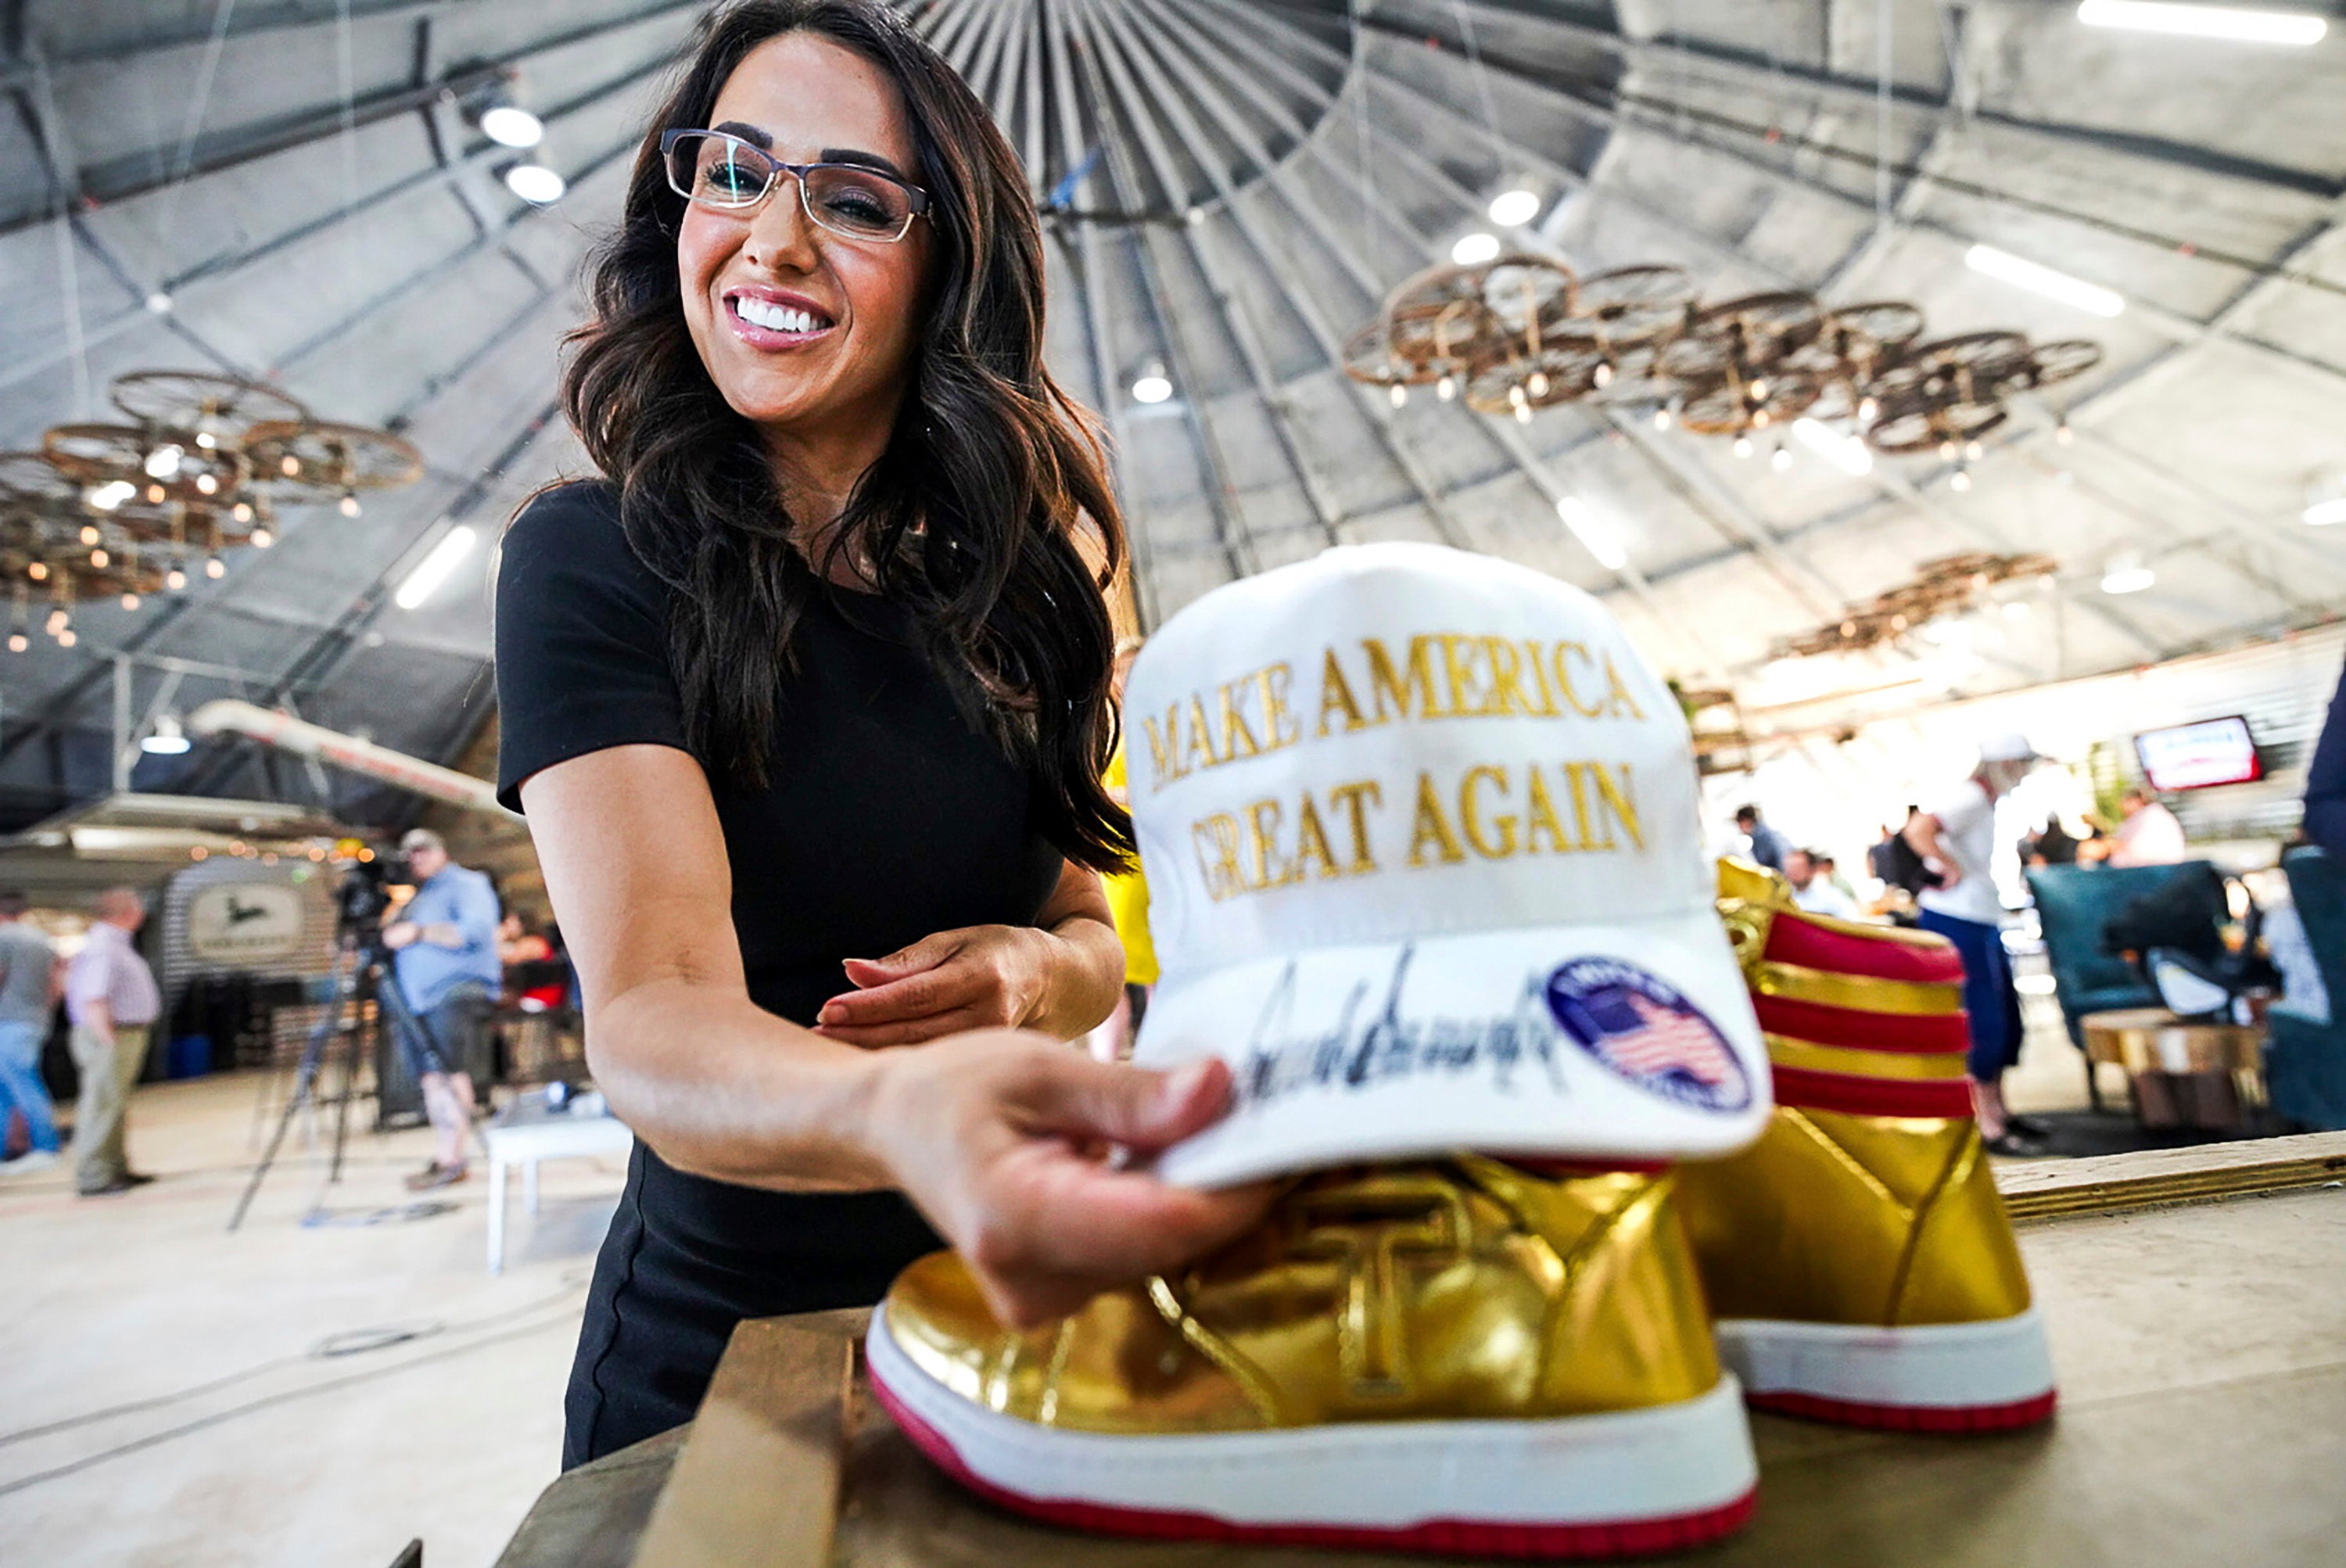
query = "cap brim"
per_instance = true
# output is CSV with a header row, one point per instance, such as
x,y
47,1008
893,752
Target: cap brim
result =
x,y
1496,1042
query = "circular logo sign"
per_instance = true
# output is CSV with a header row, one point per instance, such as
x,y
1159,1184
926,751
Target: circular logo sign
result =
x,y
1642,1028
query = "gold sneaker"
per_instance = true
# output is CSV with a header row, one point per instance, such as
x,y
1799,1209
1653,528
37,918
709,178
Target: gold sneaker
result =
x,y
1859,1261
1449,1356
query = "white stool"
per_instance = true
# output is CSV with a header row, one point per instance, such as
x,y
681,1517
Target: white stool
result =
x,y
524,1143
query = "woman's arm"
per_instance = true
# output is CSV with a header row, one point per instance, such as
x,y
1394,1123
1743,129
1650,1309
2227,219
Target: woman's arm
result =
x,y
984,1131
1923,833
1060,976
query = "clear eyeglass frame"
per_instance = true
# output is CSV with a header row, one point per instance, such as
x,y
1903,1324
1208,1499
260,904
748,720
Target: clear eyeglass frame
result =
x,y
748,155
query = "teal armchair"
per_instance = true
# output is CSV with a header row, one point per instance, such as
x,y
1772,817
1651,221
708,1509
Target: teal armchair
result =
x,y
2305,1060
2074,904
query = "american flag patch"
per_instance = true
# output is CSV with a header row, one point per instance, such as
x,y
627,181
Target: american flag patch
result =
x,y
1647,1032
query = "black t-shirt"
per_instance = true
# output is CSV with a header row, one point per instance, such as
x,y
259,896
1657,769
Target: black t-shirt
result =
x,y
888,817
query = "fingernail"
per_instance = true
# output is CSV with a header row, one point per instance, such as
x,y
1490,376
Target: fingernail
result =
x,y
1183,1082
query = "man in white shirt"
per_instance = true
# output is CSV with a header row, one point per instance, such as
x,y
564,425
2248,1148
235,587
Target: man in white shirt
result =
x,y
111,998
1957,838
1811,891
2149,836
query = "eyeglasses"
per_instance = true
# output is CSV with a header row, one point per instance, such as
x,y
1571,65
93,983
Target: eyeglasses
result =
x,y
729,175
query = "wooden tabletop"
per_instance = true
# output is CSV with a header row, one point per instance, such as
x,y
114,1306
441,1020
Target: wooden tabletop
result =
x,y
2202,1348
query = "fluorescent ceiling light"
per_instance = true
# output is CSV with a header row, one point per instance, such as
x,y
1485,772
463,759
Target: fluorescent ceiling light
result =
x,y
434,569
1513,208
2295,28
1846,452
2322,513
1598,537
510,126
1474,250
2040,280
534,183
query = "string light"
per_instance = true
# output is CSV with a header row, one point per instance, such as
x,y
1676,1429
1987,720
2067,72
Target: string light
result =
x,y
38,571
65,639
1662,416
99,559
262,538
1742,446
241,511
89,533
1398,394
129,600
349,505
215,567
1960,481
18,642
1781,461
175,579
2063,434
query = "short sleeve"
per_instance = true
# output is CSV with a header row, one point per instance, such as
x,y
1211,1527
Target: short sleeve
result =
x,y
1960,812
581,640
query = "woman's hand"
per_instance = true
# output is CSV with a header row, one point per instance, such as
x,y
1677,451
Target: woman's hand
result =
x,y
989,1134
980,977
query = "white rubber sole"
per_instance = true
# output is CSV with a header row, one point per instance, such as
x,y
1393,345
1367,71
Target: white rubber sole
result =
x,y
1948,1376
1627,1480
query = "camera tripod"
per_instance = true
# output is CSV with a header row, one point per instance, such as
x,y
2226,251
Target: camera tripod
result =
x,y
361,974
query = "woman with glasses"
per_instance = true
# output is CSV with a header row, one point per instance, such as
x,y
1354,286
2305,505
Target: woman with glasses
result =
x,y
807,700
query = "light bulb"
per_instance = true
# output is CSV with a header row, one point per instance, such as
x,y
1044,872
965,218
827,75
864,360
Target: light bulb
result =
x,y
241,511
1949,451
129,601
175,579
98,559
349,506
1782,460
215,567
1758,419
1603,375
1662,417
1974,451
89,533
38,571
1759,392
56,621
1446,388
262,538
1523,414
1516,394
155,494
1867,409
2063,434
18,642
1742,446
1398,394
1960,481
206,484
289,466
207,440
1537,383
65,639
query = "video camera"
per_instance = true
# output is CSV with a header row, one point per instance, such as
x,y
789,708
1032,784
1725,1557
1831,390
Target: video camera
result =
x,y
365,895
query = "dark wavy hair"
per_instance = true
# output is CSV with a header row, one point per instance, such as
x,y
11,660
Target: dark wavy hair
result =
x,y
969,518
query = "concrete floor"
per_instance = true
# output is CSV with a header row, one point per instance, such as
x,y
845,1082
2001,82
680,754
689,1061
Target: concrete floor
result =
x,y
315,1461
312,1463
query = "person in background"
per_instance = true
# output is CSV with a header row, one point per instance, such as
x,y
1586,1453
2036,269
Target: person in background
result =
x,y
517,943
1830,870
1127,895
1811,891
1768,847
444,940
29,991
1957,838
2148,835
2052,845
111,999
2325,780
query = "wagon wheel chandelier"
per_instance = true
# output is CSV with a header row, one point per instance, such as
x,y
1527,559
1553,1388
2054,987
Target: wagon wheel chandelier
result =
x,y
1949,585
203,464
1523,332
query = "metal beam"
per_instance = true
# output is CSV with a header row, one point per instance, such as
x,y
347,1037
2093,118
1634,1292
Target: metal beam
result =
x,y
1221,496
1119,56
137,173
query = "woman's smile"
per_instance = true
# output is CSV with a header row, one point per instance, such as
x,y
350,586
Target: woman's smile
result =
x,y
775,320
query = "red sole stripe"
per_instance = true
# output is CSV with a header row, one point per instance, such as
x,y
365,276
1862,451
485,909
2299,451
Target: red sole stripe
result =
x,y
1623,1538
1933,1034
1791,940
1942,1419
1855,1096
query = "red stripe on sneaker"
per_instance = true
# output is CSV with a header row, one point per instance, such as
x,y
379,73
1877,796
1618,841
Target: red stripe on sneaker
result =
x,y
1791,940
1815,1091
1461,1537
1823,1025
1939,1418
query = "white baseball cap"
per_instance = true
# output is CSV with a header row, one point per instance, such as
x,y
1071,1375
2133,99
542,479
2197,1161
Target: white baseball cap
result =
x,y
1425,869
2008,746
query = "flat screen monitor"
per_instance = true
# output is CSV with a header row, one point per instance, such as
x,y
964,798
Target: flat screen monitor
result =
x,y
2200,755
